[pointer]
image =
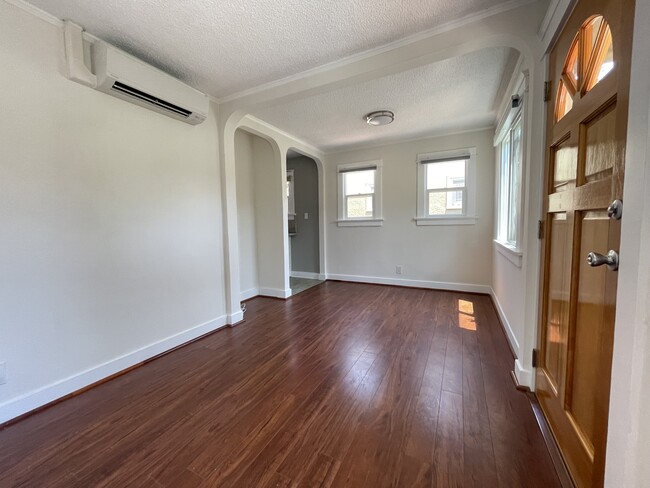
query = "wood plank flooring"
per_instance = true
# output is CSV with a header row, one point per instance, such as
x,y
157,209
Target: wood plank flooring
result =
x,y
343,385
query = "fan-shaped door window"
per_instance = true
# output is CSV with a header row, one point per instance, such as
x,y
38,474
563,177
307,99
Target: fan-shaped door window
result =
x,y
589,60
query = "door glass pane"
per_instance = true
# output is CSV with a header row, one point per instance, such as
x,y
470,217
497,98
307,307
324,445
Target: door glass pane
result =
x,y
603,58
563,102
593,323
601,147
557,308
565,165
591,29
571,63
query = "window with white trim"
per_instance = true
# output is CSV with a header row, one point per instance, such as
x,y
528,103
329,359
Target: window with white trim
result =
x,y
359,188
446,188
510,151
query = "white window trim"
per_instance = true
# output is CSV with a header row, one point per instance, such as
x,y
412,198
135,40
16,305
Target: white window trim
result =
x,y
360,223
376,220
512,254
508,116
469,217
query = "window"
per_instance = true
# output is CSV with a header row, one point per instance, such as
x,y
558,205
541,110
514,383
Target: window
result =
x,y
445,188
360,194
510,171
589,60
510,185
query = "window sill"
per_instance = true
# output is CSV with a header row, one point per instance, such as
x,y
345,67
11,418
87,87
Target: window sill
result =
x,y
445,220
360,223
513,255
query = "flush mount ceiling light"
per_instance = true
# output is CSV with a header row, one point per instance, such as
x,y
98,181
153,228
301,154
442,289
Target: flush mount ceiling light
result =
x,y
382,117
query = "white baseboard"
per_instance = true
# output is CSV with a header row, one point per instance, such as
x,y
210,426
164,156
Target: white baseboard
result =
x,y
524,376
35,399
245,295
235,318
275,292
306,274
514,344
434,285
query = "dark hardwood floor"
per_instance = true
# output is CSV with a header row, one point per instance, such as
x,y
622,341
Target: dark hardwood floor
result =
x,y
343,385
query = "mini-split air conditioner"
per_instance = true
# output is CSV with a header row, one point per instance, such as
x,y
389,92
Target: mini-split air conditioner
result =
x,y
123,76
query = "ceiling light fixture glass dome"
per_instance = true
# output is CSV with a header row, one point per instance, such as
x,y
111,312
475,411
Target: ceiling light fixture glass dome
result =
x,y
382,117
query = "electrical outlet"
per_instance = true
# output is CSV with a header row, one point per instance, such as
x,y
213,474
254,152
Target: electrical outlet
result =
x,y
398,269
3,373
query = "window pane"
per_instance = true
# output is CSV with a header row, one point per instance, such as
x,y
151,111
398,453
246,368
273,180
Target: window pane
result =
x,y
359,206
504,187
445,202
450,174
515,184
563,102
604,59
359,182
573,65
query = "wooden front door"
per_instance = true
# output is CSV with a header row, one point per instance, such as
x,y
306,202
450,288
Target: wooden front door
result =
x,y
586,131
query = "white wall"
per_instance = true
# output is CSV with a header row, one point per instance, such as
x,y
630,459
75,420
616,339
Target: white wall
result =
x,y
270,215
260,214
628,442
111,225
248,273
508,282
514,279
431,255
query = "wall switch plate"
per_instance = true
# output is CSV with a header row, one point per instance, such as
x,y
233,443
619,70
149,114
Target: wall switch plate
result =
x,y
3,373
306,216
399,269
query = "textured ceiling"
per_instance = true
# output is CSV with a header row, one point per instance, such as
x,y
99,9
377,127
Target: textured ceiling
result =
x,y
222,47
451,95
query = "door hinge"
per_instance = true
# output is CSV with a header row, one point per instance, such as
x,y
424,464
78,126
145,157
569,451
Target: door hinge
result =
x,y
535,358
547,91
540,229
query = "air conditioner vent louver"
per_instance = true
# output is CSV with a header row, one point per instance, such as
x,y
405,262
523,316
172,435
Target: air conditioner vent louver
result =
x,y
140,95
119,73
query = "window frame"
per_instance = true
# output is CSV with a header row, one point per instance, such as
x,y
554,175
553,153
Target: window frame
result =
x,y
468,217
376,220
512,250
505,201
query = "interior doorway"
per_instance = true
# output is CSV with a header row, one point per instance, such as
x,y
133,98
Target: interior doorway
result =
x,y
260,216
304,221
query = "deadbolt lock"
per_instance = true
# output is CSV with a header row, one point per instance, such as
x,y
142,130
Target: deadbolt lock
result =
x,y
615,210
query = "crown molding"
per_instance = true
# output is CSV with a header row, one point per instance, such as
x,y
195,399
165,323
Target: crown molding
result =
x,y
431,135
36,12
405,41
271,128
